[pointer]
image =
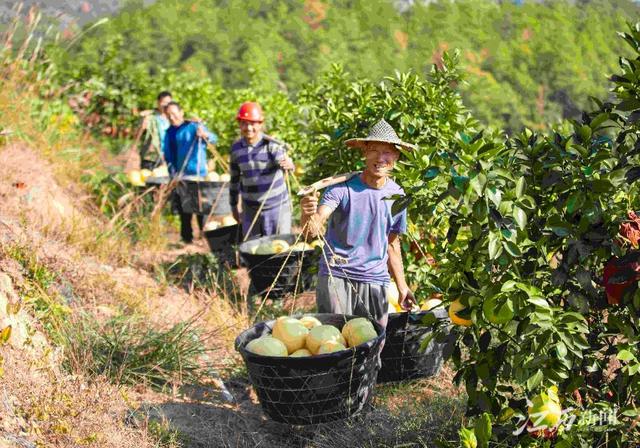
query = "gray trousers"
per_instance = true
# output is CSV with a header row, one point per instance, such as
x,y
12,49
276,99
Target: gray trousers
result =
x,y
274,221
342,296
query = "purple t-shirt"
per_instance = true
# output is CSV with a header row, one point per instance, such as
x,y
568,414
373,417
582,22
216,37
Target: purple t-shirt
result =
x,y
358,230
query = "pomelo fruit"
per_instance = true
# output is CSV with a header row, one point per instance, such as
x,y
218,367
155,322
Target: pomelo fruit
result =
x,y
267,346
229,221
300,353
545,410
263,249
225,177
321,334
358,331
135,178
454,308
211,225
431,304
310,322
144,174
330,347
213,177
291,332
278,246
161,171
498,311
301,246
317,243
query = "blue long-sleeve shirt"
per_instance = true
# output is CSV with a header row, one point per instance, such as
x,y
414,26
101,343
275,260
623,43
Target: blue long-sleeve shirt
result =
x,y
184,155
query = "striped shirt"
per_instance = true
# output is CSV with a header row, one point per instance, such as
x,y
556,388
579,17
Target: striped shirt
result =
x,y
253,170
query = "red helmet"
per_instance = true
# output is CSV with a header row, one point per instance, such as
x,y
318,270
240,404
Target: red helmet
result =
x,y
250,112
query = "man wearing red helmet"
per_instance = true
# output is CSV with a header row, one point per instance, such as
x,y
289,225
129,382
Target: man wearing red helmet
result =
x,y
257,168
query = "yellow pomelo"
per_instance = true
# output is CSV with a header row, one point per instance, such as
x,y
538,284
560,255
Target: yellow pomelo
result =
x,y
267,346
455,307
135,178
321,334
301,246
300,353
211,225
431,304
317,243
310,322
225,177
291,332
278,246
145,173
161,171
330,347
358,331
391,309
229,221
213,177
498,311
264,249
393,295
545,410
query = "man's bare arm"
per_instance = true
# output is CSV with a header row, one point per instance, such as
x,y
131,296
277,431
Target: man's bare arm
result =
x,y
313,218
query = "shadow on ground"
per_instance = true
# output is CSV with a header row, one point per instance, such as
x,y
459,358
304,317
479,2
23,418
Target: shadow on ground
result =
x,y
202,418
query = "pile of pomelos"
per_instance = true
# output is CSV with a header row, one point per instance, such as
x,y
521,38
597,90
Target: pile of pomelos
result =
x,y
307,336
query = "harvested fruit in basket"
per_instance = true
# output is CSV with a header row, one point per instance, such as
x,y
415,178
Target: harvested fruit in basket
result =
x,y
291,332
330,347
272,247
358,331
161,171
267,346
135,178
301,246
307,336
229,221
225,177
145,173
211,225
301,353
321,334
213,177
310,322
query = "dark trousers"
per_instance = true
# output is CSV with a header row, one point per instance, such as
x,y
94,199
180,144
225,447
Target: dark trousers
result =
x,y
186,230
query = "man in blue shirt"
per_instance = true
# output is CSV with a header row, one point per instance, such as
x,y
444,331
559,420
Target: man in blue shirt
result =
x,y
155,123
363,236
185,150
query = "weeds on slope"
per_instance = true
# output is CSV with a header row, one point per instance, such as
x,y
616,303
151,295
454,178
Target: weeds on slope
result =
x,y
127,351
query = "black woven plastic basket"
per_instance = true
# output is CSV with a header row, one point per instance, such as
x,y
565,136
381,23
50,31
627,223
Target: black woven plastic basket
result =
x,y
223,242
401,356
263,269
315,389
199,196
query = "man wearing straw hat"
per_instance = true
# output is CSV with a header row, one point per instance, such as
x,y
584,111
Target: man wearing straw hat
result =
x,y
185,150
362,244
258,165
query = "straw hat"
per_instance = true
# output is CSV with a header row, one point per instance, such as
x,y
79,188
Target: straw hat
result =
x,y
380,132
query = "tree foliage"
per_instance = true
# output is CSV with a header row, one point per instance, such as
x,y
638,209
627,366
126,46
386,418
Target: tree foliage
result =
x,y
528,64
